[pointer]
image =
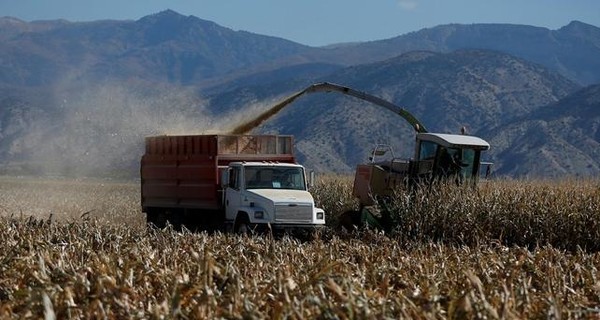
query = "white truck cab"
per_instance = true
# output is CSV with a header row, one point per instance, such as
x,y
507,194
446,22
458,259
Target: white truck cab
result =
x,y
259,195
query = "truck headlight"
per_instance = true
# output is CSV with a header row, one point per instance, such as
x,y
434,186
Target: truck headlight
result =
x,y
259,214
319,215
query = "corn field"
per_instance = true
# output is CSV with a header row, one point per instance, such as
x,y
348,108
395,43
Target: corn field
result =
x,y
508,250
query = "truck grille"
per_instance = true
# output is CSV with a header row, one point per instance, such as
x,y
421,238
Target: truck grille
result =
x,y
293,214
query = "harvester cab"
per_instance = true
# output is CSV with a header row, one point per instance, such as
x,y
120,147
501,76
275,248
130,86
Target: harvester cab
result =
x,y
437,157
450,155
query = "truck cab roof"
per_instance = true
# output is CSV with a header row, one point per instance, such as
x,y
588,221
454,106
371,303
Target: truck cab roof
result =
x,y
454,140
264,164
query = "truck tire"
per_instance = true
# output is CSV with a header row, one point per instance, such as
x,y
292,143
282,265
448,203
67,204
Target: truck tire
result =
x,y
242,225
175,219
156,219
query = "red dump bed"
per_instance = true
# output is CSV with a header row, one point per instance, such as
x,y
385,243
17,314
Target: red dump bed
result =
x,y
183,171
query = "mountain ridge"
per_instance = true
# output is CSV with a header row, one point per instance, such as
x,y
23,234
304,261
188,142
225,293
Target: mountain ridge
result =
x,y
86,93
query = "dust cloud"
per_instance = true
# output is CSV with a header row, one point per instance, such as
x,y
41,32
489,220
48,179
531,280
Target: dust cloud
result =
x,y
101,129
98,130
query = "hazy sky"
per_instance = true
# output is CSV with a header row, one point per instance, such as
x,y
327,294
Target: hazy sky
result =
x,y
320,22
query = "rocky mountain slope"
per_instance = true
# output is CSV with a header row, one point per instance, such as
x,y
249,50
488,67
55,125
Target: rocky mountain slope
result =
x,y
560,139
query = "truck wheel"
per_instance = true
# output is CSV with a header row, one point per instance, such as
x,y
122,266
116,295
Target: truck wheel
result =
x,y
175,218
242,226
156,219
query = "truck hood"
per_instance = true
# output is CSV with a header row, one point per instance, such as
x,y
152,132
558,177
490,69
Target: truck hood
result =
x,y
282,195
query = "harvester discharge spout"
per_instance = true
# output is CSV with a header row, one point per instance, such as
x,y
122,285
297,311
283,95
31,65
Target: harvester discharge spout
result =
x,y
330,87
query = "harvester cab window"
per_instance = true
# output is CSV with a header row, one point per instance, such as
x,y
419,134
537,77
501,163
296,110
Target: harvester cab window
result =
x,y
448,161
467,161
455,162
427,150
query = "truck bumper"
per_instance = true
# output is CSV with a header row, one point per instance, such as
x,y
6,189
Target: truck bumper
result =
x,y
287,228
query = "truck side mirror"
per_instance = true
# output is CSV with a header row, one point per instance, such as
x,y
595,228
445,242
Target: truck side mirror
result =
x,y
225,178
311,179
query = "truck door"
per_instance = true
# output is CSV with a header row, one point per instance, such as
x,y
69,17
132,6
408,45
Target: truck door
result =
x,y
233,193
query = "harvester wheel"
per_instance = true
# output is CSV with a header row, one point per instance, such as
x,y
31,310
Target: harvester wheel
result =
x,y
350,220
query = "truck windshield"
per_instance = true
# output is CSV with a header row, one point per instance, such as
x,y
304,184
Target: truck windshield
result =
x,y
271,177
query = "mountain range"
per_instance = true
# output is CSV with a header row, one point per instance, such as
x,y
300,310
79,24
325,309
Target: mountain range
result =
x,y
78,98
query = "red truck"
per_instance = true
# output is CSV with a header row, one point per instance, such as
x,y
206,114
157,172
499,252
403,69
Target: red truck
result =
x,y
226,182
